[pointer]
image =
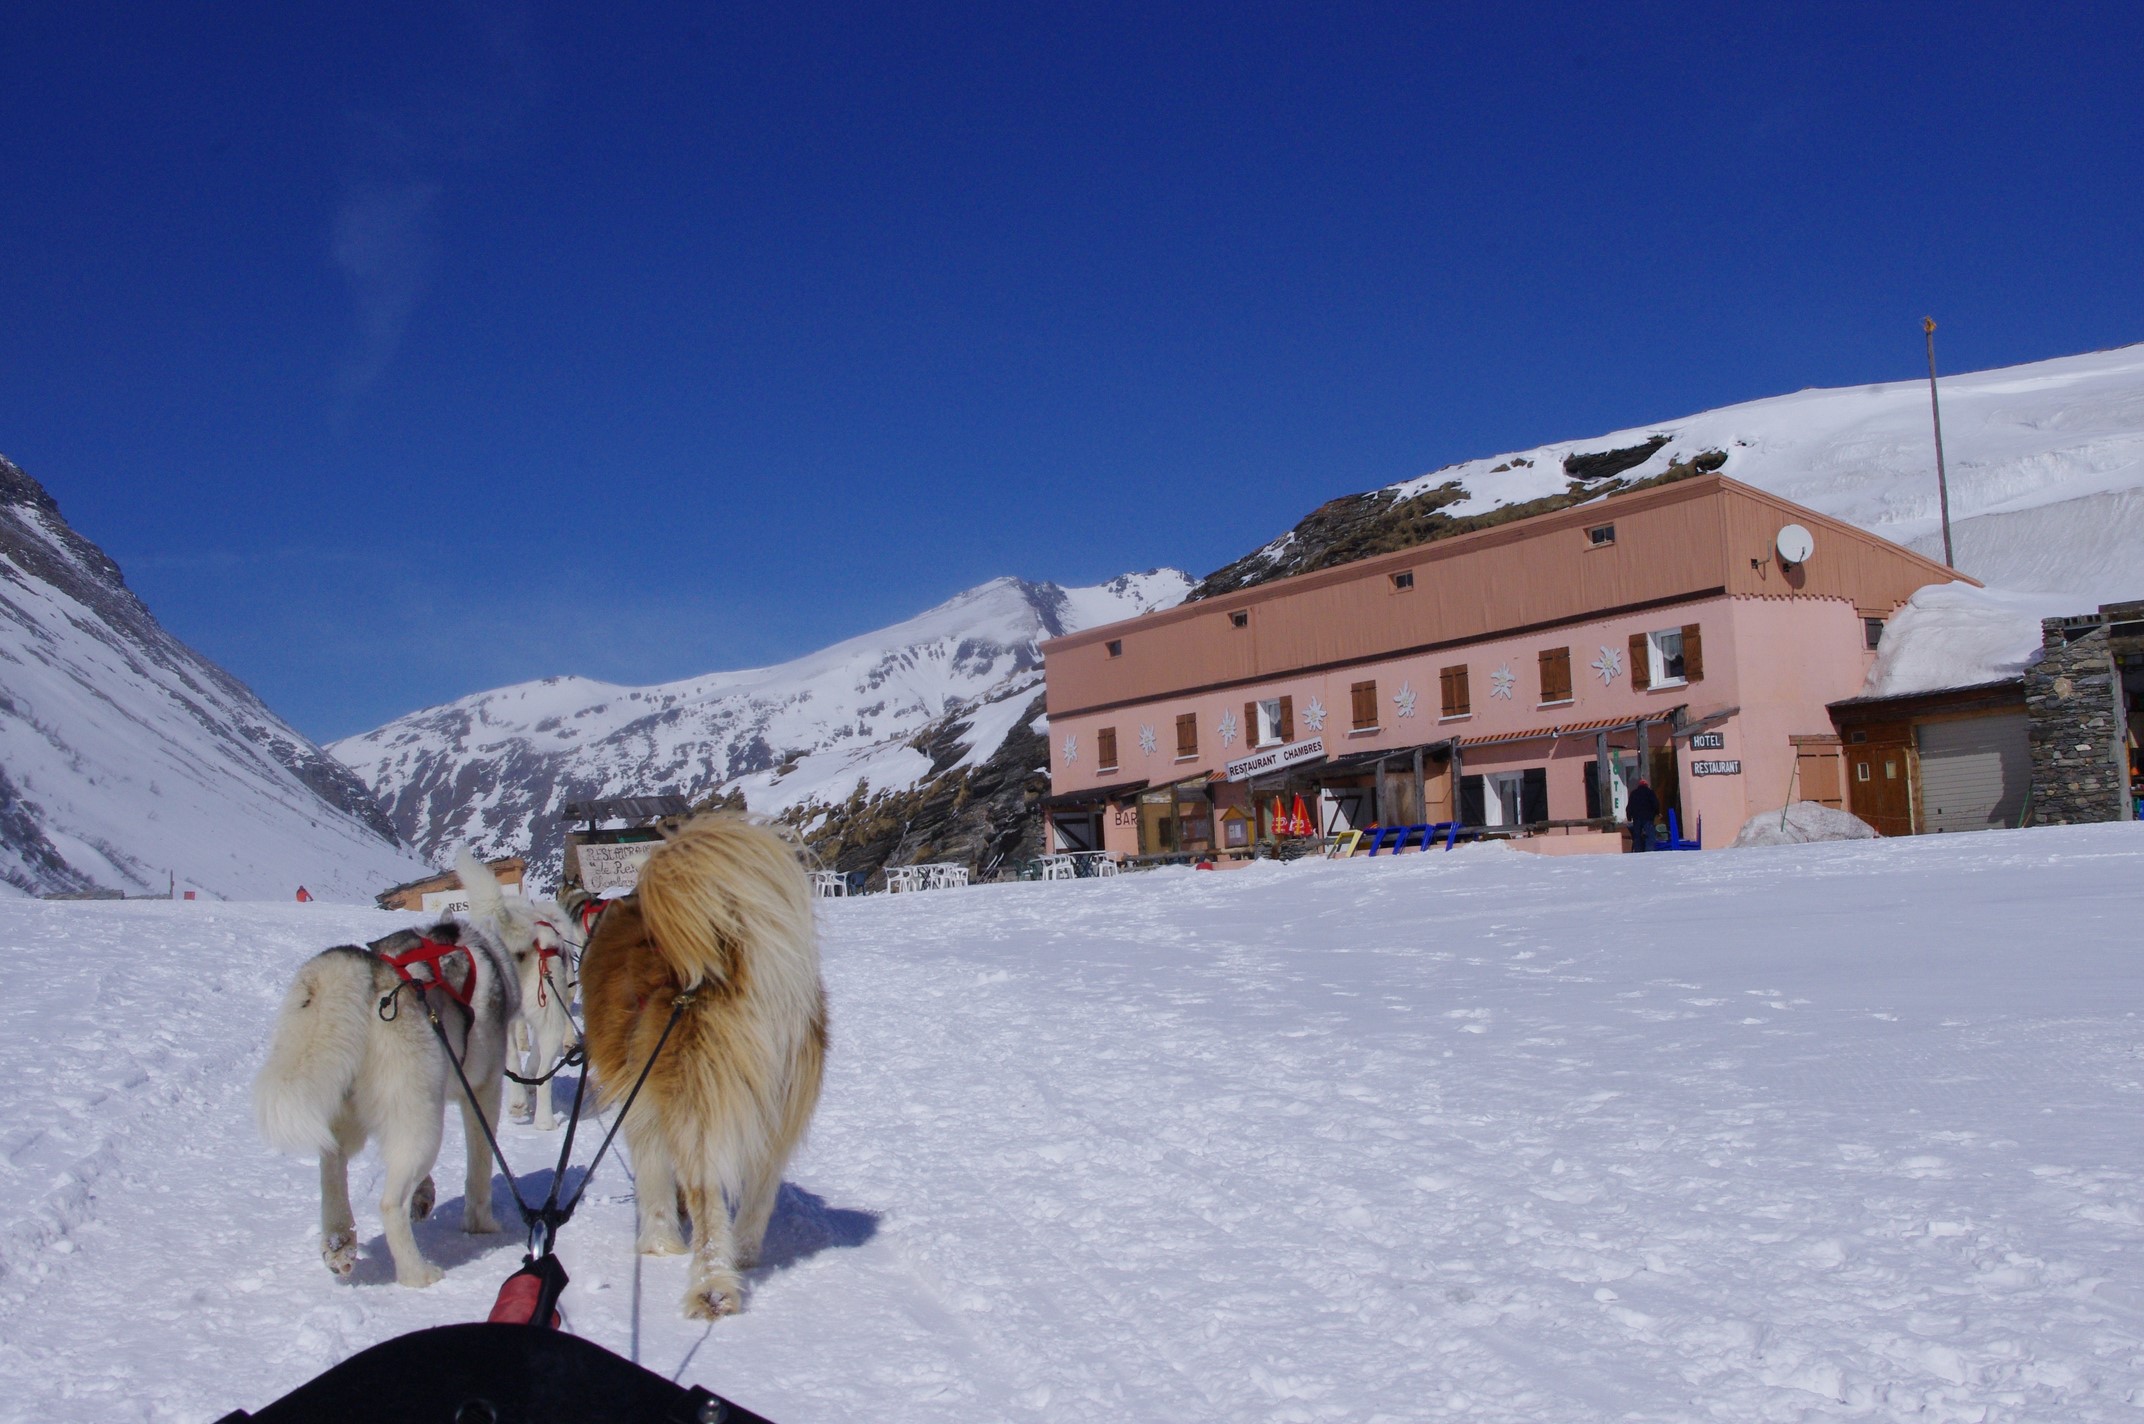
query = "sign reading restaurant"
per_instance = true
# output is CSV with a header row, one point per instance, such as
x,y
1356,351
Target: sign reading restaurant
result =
x,y
1274,758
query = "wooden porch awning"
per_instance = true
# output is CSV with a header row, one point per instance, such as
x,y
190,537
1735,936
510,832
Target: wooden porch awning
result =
x,y
1357,761
627,808
1575,729
1093,795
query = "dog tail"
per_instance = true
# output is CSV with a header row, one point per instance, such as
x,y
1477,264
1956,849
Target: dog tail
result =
x,y
316,1051
721,884
486,901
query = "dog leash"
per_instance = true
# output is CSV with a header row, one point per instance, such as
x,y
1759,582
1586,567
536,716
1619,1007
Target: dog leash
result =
x,y
538,1264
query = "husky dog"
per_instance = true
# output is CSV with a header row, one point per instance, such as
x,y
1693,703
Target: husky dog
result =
x,y
722,917
341,1071
534,931
545,1027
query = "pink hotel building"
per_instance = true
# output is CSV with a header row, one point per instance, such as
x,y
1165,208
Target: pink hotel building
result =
x,y
1519,678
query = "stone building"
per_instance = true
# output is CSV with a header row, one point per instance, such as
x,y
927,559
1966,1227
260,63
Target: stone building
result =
x,y
2080,697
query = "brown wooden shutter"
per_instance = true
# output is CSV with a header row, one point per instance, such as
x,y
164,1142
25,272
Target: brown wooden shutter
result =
x,y
1287,719
1365,696
1105,748
1187,734
1641,661
1693,653
1250,724
1555,674
1457,700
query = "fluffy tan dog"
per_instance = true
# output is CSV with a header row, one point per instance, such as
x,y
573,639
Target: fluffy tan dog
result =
x,y
723,914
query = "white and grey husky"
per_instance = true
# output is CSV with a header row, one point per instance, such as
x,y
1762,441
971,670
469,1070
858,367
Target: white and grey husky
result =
x,y
340,1073
545,1027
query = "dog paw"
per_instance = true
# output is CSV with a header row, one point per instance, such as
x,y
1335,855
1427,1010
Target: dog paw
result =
x,y
417,1277
423,1200
661,1240
339,1250
714,1298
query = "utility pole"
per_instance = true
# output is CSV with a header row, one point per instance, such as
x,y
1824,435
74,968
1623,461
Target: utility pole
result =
x,y
1928,324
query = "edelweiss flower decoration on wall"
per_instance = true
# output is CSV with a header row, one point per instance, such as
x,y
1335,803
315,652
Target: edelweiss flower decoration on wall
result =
x,y
1609,664
1404,699
1228,729
1071,750
1314,715
1146,740
1502,681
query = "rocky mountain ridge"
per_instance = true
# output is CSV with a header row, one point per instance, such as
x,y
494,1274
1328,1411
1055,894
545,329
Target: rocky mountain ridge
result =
x,y
128,761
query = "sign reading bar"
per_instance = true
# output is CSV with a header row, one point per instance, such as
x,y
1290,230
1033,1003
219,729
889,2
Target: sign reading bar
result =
x,y
1708,742
1715,768
1274,758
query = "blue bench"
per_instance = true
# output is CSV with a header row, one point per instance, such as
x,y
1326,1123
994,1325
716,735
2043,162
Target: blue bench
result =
x,y
1675,840
1396,837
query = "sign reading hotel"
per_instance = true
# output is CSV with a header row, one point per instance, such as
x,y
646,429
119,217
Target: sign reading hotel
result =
x,y
1274,758
1708,742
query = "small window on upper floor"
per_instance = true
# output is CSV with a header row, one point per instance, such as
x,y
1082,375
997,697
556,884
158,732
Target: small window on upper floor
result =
x,y
1600,534
1404,579
1115,647
1241,618
1871,633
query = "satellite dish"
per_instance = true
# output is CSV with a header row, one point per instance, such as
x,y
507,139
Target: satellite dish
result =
x,y
1794,545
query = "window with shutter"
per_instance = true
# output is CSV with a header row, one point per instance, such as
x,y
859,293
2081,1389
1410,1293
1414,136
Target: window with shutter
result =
x,y
1105,749
1364,696
1555,675
1641,663
1187,735
1693,654
1664,655
1458,699
1287,719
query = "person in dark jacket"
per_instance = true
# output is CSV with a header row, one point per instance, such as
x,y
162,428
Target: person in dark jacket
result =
x,y
1643,808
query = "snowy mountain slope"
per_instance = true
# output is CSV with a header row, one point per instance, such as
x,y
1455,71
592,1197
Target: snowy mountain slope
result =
x,y
2045,462
497,768
1843,1133
127,758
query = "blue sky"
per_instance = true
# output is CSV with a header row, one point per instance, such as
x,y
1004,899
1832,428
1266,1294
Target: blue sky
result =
x,y
400,351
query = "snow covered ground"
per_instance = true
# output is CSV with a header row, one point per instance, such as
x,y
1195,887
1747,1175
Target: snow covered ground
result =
x,y
1825,1132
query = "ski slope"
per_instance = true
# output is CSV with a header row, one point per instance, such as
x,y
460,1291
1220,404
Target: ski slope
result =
x,y
1825,1132
2045,464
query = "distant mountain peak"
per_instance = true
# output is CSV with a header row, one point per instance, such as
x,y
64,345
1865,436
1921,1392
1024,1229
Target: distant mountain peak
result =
x,y
496,768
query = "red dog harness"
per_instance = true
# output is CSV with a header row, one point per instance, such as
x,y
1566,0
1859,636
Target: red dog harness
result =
x,y
544,955
421,966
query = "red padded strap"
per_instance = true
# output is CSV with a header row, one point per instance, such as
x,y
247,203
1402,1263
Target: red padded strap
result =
x,y
428,954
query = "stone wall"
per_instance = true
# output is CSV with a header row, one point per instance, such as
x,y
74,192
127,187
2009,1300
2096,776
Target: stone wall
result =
x,y
2080,763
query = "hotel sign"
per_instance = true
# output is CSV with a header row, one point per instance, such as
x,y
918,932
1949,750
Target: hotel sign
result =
x,y
1274,758
1708,742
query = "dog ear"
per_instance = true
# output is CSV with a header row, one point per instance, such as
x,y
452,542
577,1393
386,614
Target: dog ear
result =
x,y
485,897
395,943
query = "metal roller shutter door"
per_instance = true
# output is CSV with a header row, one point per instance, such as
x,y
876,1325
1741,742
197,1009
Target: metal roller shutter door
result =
x,y
1974,773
